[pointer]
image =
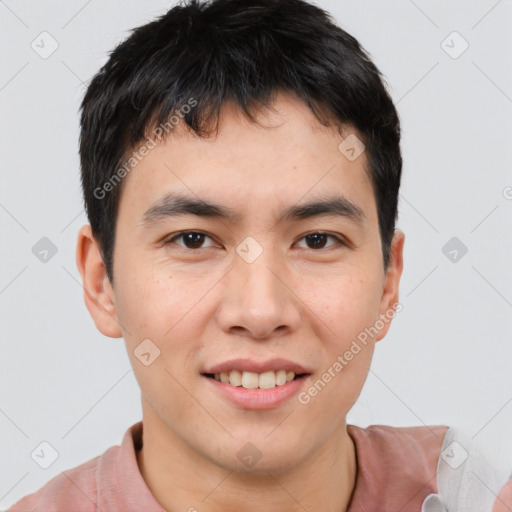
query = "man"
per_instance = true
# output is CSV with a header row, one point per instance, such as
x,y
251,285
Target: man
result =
x,y
240,168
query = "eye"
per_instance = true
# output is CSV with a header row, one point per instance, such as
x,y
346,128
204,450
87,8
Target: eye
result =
x,y
192,239
318,239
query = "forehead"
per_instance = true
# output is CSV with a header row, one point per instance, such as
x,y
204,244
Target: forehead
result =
x,y
286,158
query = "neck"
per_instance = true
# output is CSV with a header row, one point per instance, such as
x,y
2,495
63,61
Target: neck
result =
x,y
182,479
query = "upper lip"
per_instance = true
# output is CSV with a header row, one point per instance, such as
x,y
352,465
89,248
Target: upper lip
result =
x,y
250,365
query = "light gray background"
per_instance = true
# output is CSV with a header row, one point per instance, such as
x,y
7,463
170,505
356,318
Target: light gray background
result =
x,y
447,358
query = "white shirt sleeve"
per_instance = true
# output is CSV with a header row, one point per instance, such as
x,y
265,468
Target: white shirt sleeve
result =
x,y
466,481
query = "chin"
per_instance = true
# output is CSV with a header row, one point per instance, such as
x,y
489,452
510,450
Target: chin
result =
x,y
258,454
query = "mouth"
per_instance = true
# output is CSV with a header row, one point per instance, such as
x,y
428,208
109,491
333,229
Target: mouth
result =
x,y
258,385
253,380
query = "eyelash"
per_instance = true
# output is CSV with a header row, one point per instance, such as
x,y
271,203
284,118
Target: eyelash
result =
x,y
182,233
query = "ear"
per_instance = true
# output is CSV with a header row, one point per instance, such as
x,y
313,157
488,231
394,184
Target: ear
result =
x,y
389,299
98,292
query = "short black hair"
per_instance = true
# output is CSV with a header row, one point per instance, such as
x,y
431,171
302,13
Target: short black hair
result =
x,y
199,54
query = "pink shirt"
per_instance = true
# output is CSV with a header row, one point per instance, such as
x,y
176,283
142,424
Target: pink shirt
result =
x,y
396,472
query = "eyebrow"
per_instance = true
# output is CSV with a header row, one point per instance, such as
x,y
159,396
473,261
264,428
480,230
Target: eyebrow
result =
x,y
174,205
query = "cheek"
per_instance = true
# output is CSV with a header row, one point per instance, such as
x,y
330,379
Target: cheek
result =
x,y
334,391
156,307
159,321
349,308
346,305
150,304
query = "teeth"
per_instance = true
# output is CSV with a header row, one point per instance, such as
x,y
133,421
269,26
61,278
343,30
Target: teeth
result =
x,y
249,380
235,378
267,380
281,377
252,380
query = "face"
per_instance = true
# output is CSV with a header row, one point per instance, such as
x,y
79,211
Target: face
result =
x,y
247,292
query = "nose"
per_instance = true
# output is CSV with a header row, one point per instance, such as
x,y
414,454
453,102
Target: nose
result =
x,y
258,300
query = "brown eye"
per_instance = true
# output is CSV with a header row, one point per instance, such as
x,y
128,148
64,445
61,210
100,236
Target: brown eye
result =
x,y
318,240
191,239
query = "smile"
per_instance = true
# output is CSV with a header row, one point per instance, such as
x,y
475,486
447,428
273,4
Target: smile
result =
x,y
253,380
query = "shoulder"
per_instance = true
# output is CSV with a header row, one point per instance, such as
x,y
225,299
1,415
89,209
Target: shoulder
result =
x,y
396,466
75,488
111,481
418,445
470,477
451,471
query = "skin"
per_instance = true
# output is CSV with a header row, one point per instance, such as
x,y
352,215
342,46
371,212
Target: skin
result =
x,y
201,308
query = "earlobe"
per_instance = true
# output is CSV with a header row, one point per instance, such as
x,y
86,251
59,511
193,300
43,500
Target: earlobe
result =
x,y
98,292
390,293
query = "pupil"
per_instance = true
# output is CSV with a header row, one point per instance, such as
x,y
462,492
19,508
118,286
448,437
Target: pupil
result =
x,y
196,239
318,239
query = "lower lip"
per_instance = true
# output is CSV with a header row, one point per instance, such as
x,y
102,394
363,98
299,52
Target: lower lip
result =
x,y
258,398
